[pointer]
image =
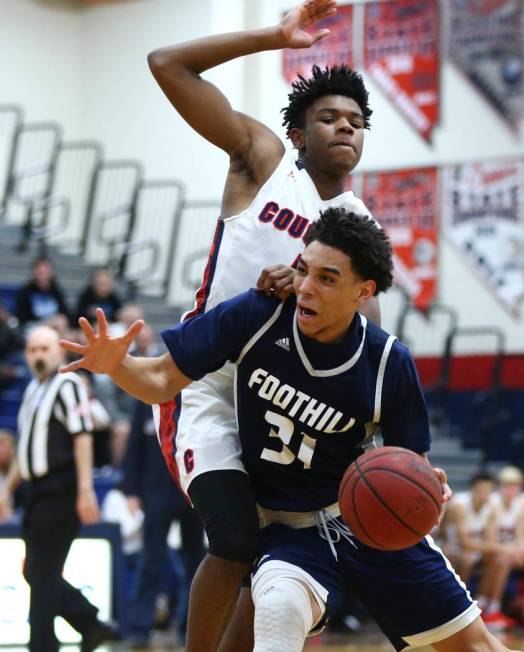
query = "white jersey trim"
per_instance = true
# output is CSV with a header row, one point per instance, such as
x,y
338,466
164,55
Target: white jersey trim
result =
x,y
259,333
380,378
287,159
325,373
453,626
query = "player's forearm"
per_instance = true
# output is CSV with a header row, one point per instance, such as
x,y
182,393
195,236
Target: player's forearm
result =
x,y
151,380
83,453
205,53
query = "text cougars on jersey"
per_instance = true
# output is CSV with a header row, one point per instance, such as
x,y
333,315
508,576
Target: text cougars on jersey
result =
x,y
284,219
297,404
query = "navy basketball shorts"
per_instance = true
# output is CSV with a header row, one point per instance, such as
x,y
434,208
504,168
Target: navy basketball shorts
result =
x,y
414,594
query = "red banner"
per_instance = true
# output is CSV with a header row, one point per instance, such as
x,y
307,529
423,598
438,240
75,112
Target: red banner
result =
x,y
405,203
401,54
337,48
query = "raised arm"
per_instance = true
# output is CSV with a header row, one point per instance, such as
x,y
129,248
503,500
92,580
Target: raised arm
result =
x,y
177,70
152,380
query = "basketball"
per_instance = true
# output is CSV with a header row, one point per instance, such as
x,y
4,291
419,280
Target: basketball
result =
x,y
390,498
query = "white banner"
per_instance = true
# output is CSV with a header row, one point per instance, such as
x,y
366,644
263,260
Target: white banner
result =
x,y
483,216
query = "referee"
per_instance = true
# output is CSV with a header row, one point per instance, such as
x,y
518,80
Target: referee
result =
x,y
55,456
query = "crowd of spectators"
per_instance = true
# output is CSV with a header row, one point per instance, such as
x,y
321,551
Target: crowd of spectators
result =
x,y
150,555
482,534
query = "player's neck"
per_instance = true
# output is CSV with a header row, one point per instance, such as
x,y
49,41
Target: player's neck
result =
x,y
327,186
335,333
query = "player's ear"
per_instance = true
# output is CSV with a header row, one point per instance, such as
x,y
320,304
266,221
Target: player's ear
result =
x,y
367,290
296,136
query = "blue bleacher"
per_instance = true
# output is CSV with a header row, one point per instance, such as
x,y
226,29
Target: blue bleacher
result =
x,y
8,295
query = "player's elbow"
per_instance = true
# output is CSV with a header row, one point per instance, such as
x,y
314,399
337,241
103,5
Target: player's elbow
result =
x,y
166,63
156,61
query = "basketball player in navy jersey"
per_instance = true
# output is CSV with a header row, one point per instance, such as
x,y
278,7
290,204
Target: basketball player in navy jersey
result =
x,y
314,380
271,196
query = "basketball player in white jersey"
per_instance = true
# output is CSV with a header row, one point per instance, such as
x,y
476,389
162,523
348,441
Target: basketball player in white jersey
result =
x,y
470,525
508,502
270,198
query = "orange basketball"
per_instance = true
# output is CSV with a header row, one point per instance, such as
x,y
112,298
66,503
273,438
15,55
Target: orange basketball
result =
x,y
390,498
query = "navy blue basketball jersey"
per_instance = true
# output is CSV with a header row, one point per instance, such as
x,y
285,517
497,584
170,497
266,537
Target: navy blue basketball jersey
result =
x,y
305,409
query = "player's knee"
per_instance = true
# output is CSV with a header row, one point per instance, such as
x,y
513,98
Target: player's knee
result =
x,y
283,614
235,538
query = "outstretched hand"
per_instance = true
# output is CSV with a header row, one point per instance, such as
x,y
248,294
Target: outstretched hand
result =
x,y
295,24
102,354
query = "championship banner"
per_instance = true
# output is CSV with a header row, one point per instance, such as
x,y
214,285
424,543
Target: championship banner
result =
x,y
405,203
483,217
335,49
401,54
486,42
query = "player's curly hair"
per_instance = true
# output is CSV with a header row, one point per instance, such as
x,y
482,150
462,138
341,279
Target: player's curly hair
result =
x,y
360,238
337,80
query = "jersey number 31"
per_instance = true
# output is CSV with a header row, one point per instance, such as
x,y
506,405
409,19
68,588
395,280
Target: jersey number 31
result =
x,y
283,429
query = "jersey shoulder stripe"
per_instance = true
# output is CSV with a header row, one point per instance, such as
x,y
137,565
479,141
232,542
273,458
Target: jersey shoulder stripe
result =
x,y
209,273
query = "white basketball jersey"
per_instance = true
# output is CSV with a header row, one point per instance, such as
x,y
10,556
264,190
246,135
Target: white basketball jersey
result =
x,y
507,517
270,231
476,520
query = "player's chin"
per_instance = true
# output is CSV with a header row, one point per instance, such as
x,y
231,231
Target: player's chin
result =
x,y
343,163
308,325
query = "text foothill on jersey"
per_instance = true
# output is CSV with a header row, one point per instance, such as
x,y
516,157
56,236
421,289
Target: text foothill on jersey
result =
x,y
297,404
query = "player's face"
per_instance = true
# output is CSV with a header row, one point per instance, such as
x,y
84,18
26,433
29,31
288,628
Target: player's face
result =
x,y
510,490
332,139
481,492
43,353
328,292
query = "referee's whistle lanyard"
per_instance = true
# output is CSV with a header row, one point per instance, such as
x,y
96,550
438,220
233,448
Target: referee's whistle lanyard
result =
x,y
331,529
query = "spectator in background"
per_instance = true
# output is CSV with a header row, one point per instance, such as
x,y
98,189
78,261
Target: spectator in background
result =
x,y
101,425
115,509
149,487
469,527
127,316
119,404
509,503
7,452
145,344
11,342
100,293
42,297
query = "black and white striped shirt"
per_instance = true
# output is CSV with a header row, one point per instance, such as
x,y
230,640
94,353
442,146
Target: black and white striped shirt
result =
x,y
51,413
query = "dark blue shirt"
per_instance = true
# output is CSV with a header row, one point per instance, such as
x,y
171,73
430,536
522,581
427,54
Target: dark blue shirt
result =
x,y
305,409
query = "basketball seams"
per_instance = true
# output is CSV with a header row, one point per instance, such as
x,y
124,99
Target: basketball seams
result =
x,y
385,505
410,479
371,456
355,511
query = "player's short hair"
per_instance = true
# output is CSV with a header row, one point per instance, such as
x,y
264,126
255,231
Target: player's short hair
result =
x,y
481,476
510,475
337,80
360,238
